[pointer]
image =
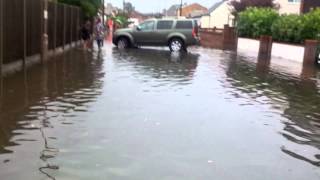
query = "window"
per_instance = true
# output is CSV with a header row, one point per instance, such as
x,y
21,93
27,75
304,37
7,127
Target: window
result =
x,y
164,24
294,1
147,26
184,25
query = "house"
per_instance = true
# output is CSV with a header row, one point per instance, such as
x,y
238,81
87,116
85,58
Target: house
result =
x,y
307,5
110,9
296,6
172,11
289,6
189,10
219,15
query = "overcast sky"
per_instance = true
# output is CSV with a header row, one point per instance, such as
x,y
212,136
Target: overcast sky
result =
x,y
158,5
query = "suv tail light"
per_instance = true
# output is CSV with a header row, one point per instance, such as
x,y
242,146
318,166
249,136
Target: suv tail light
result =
x,y
195,32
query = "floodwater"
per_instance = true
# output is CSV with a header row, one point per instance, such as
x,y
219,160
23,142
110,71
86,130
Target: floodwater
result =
x,y
146,114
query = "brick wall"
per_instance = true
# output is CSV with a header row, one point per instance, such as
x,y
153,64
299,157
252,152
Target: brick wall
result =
x,y
225,39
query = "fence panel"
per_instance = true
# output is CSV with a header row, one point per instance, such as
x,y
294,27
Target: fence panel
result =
x,y
51,24
34,28
75,24
60,23
13,30
68,24
1,35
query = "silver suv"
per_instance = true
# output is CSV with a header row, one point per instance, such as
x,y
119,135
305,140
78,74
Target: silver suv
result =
x,y
178,34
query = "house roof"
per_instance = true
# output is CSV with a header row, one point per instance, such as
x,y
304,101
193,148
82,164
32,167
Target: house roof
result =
x,y
215,6
172,11
195,7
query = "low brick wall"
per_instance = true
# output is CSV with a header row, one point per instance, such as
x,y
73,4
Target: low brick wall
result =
x,y
211,39
225,39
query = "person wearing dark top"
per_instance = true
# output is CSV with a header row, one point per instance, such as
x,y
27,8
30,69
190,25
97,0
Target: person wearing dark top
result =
x,y
85,35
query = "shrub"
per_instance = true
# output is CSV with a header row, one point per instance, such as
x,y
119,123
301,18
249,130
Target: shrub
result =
x,y
288,28
254,22
311,28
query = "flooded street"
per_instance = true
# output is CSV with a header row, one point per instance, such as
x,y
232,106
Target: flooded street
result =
x,y
146,114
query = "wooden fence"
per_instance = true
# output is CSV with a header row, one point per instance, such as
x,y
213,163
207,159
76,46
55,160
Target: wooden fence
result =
x,y
22,27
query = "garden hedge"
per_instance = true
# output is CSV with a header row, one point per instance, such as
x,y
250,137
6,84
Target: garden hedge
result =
x,y
254,22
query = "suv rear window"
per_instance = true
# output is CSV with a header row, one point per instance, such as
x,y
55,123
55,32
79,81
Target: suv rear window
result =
x,y
164,24
184,25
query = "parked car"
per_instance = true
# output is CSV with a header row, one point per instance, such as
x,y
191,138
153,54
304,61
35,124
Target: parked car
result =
x,y
178,34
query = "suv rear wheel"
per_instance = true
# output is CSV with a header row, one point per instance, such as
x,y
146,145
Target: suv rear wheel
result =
x,y
122,43
176,45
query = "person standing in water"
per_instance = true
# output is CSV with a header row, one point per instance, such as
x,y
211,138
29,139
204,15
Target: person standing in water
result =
x,y
85,35
99,33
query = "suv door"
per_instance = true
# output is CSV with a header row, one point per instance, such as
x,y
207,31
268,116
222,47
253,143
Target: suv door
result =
x,y
164,28
186,28
144,34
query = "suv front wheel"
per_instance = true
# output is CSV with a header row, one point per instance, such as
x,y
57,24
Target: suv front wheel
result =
x,y
122,43
176,45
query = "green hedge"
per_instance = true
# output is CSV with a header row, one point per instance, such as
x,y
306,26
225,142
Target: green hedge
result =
x,y
288,28
255,22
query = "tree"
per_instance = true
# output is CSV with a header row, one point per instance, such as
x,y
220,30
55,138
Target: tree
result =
x,y
90,8
128,8
121,20
241,5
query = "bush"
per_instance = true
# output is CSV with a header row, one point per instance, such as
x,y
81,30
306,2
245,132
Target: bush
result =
x,y
254,22
311,28
288,28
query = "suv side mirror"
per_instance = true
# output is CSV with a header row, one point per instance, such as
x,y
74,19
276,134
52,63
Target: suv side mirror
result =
x,y
138,28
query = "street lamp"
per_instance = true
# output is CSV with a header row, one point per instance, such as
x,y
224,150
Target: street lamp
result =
x,y
124,4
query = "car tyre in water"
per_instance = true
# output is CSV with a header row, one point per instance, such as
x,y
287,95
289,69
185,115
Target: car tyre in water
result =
x,y
176,45
123,43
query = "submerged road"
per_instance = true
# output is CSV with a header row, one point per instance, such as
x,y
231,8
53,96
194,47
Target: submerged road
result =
x,y
146,114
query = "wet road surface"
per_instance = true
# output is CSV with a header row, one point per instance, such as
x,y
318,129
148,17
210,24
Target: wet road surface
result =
x,y
146,114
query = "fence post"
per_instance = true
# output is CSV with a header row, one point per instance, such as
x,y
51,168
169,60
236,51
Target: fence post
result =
x,y
71,29
265,49
310,52
229,38
64,26
24,34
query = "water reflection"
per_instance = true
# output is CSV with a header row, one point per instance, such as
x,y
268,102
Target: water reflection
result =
x,y
158,66
150,114
299,96
36,99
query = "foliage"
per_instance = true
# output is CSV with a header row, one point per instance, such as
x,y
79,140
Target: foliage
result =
x,y
90,8
239,6
255,22
121,19
288,28
311,28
